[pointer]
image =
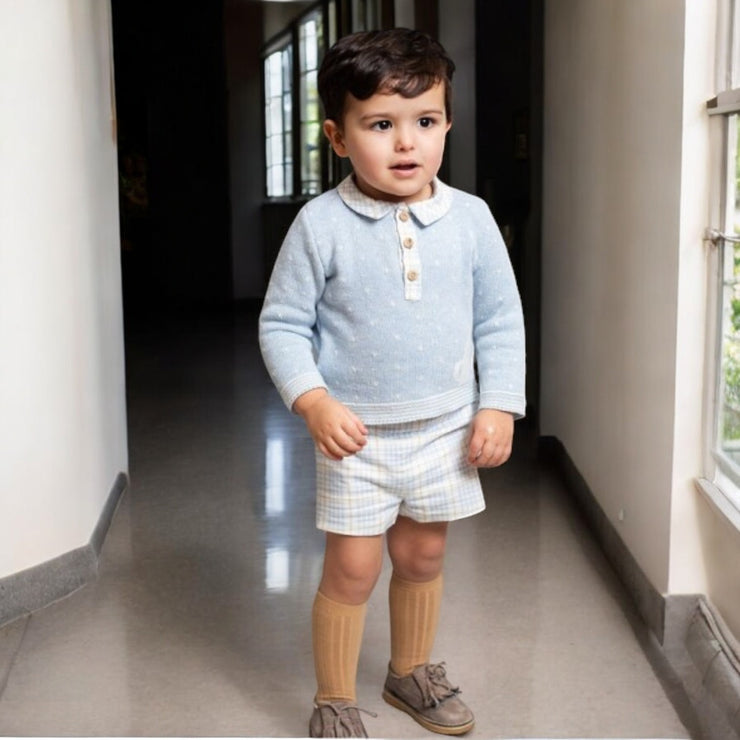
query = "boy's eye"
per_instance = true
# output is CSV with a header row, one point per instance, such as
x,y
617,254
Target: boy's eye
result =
x,y
426,122
382,125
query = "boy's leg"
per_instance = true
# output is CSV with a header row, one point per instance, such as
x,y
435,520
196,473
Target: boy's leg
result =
x,y
417,553
351,568
413,684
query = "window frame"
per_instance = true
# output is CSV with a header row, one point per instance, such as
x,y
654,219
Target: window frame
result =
x,y
722,482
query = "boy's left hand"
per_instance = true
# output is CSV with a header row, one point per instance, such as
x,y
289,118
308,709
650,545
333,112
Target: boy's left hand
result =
x,y
493,433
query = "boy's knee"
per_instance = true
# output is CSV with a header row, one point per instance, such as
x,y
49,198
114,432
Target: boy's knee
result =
x,y
350,574
418,568
420,561
349,583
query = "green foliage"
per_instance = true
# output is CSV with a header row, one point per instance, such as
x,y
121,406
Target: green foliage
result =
x,y
731,363
731,372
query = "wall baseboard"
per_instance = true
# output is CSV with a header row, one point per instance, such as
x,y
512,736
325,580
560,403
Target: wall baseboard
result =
x,y
694,655
34,588
650,604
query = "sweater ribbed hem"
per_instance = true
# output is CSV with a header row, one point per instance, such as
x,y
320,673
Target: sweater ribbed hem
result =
x,y
300,385
514,403
401,412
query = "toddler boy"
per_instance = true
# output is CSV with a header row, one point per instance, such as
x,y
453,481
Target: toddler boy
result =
x,y
387,291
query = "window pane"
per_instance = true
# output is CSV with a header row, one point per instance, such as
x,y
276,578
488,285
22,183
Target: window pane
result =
x,y
268,153
287,113
288,178
309,44
274,119
278,107
734,44
277,155
729,431
288,146
287,71
309,97
311,161
311,41
275,74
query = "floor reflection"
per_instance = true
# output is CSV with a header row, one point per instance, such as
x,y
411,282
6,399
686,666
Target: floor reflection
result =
x,y
274,477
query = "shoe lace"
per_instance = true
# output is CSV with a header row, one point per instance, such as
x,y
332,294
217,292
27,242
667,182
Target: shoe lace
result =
x,y
433,683
345,723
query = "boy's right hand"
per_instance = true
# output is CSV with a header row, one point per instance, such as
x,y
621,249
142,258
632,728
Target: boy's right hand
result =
x,y
336,431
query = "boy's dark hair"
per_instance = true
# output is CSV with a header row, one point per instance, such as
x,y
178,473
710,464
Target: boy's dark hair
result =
x,y
398,60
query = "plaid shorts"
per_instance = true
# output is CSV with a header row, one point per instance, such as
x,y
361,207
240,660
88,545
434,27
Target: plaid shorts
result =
x,y
417,469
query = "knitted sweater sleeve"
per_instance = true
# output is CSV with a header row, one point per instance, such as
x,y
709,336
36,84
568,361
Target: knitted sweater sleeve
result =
x,y
498,325
288,318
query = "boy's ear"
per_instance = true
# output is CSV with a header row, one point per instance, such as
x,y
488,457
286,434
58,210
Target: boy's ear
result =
x,y
335,136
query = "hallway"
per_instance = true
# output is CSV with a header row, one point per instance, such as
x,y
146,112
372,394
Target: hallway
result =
x,y
199,622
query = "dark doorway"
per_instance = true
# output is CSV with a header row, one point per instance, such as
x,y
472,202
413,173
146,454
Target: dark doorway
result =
x,y
172,133
509,53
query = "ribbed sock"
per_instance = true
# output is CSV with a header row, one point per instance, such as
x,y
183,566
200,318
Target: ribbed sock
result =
x,y
337,636
414,609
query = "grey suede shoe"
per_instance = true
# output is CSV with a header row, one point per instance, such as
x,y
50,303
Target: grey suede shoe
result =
x,y
337,719
430,699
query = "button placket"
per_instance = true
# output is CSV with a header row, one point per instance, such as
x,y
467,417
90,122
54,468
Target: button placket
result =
x,y
410,257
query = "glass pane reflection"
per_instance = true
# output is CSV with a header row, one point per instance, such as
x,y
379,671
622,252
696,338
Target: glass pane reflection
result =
x,y
277,569
274,477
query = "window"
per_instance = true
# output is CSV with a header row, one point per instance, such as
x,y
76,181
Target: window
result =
x,y
297,160
279,121
728,381
310,44
726,238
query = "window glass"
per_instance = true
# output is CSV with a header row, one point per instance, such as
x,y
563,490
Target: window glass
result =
x,y
311,46
278,122
728,434
733,29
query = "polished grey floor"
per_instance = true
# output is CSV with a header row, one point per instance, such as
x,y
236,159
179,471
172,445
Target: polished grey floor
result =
x,y
199,622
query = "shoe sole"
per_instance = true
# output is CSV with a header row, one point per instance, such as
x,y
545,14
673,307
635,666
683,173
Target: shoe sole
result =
x,y
394,701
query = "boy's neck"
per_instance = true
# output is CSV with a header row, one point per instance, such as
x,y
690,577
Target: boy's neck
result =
x,y
429,193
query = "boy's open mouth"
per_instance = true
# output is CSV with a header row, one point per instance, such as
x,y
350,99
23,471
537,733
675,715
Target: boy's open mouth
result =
x,y
405,166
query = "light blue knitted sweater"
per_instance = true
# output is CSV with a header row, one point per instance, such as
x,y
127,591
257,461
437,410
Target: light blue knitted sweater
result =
x,y
388,305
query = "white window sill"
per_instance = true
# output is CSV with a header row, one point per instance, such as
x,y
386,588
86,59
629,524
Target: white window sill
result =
x,y
719,501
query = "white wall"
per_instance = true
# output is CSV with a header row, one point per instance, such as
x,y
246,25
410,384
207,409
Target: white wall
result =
x,y
631,174
611,227
687,572
62,399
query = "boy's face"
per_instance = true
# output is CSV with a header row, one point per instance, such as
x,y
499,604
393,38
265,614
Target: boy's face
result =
x,y
395,144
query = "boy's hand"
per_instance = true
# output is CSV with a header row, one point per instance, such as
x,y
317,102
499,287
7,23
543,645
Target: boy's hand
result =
x,y
336,431
493,433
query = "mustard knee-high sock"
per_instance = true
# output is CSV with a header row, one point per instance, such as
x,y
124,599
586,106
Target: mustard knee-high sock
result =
x,y
337,636
414,609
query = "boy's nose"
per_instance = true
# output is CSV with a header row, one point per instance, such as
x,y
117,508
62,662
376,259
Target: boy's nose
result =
x,y
404,138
